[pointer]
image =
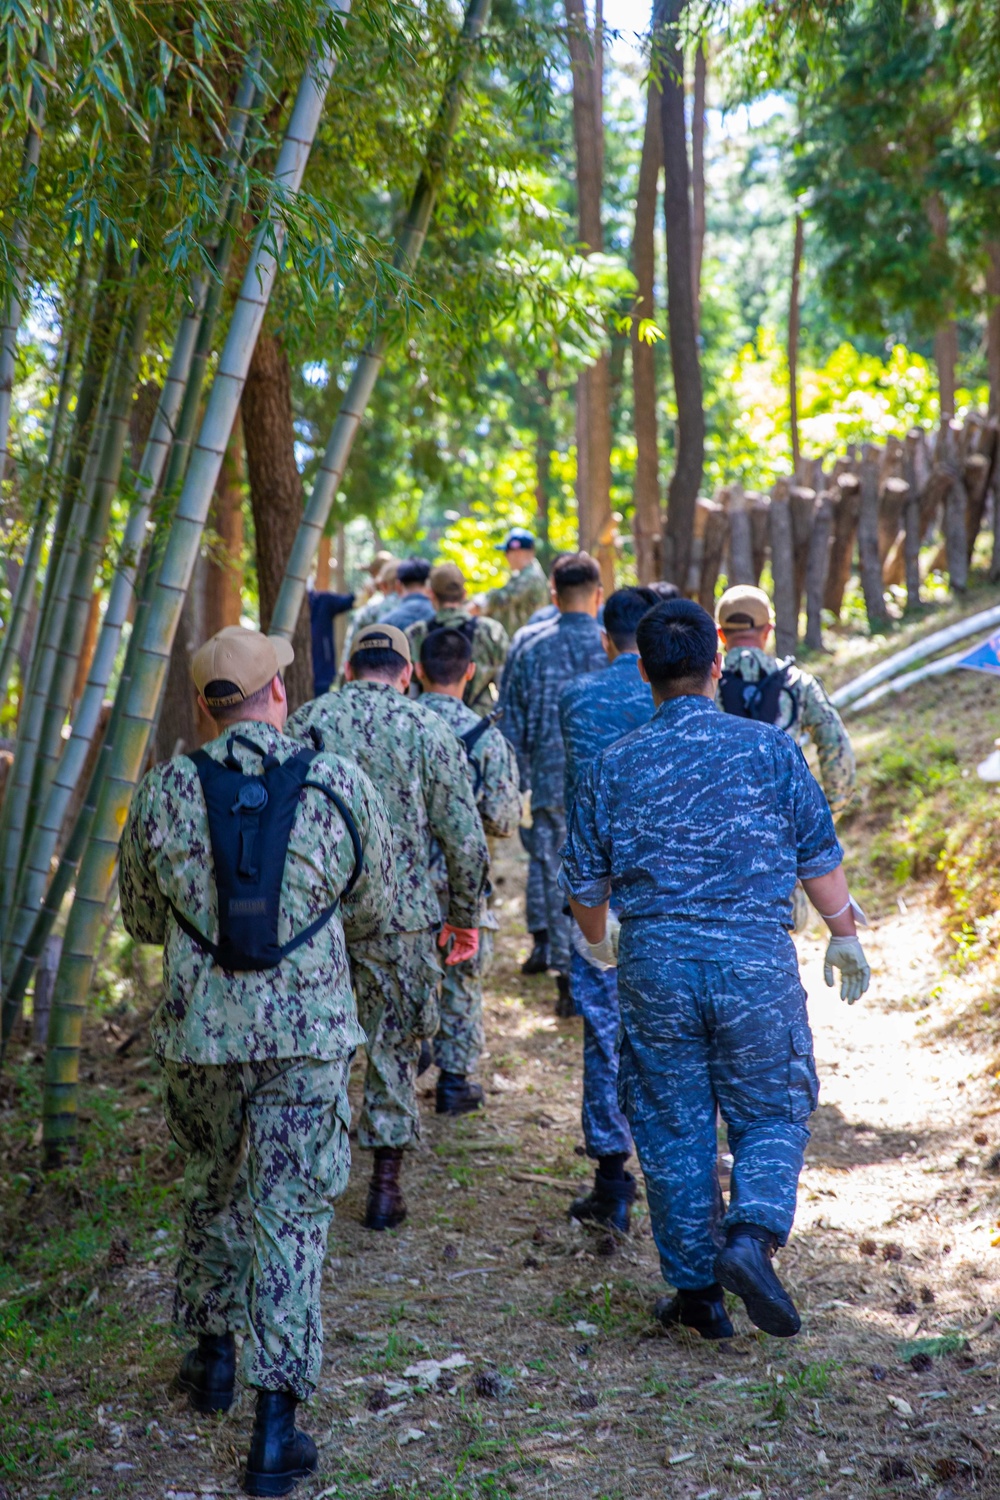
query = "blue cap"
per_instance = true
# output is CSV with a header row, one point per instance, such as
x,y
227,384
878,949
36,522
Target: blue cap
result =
x,y
517,537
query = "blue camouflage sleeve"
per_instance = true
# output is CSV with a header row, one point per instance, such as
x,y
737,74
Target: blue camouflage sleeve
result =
x,y
817,847
586,856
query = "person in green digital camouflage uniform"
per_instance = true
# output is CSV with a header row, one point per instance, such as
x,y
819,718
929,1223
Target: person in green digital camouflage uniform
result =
x,y
444,669
422,773
527,588
256,1062
490,642
379,603
745,622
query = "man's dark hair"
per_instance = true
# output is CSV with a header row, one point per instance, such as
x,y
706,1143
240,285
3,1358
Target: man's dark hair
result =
x,y
377,661
622,613
575,572
413,570
664,590
678,643
232,712
445,656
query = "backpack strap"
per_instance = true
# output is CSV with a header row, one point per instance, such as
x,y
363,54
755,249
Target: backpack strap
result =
x,y
470,739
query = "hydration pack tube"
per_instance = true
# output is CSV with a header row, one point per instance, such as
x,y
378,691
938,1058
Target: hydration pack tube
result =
x,y
470,739
250,822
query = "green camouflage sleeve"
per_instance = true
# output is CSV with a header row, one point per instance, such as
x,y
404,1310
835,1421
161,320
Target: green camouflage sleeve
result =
x,y
821,721
455,823
366,912
144,906
500,797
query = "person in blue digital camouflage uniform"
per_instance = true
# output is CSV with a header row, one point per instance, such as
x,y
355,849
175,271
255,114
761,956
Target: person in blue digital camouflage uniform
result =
x,y
567,646
594,711
696,826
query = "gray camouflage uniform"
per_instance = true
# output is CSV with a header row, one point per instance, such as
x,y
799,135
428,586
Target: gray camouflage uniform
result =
x,y
460,1037
256,1063
423,776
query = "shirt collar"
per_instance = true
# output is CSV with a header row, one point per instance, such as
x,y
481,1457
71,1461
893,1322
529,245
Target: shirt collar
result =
x,y
572,619
369,685
687,705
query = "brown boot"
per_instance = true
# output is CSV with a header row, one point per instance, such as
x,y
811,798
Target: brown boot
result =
x,y
386,1205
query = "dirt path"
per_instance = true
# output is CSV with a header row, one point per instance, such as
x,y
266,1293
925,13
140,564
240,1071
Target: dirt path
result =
x,y
490,1348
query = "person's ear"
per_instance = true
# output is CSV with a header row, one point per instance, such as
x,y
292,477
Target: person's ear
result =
x,y
716,672
348,672
420,673
405,677
278,692
642,670
606,642
470,671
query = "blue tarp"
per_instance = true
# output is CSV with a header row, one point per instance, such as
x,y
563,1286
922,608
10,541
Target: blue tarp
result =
x,y
985,657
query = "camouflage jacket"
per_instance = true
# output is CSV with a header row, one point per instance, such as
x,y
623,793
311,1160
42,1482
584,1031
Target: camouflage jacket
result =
x,y
711,858
569,645
597,709
499,796
817,721
305,1006
489,652
517,599
423,776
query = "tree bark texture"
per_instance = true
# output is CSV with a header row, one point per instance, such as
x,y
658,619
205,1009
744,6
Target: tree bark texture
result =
x,y
593,394
801,503
275,494
647,521
740,567
845,524
817,567
786,625
224,565
712,552
690,446
698,177
993,323
869,562
760,531
793,341
544,444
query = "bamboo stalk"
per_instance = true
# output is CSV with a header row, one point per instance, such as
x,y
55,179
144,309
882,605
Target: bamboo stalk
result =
x,y
366,371
127,753
10,318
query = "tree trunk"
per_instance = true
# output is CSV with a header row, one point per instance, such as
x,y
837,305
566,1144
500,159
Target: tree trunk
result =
x,y
544,443
698,177
647,520
180,727
275,494
946,333
713,551
993,322
793,342
593,393
224,566
690,450
740,565
845,524
323,565
802,504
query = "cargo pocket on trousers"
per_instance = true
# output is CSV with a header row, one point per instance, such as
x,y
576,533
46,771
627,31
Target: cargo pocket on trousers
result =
x,y
803,1084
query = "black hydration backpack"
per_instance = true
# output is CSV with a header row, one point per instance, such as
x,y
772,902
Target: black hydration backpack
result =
x,y
769,700
470,739
250,822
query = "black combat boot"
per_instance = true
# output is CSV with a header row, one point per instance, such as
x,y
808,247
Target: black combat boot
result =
x,y
280,1455
564,998
537,961
456,1095
208,1373
386,1204
744,1267
702,1308
607,1203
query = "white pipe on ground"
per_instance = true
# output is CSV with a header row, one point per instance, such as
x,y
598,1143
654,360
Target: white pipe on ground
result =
x,y
917,652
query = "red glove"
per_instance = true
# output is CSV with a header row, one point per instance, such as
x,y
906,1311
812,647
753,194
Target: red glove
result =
x,y
465,946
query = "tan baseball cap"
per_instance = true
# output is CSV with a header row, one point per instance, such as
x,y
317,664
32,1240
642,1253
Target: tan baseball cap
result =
x,y
447,582
743,608
381,638
237,663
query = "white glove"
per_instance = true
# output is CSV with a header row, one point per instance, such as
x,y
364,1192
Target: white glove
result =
x,y
847,955
603,955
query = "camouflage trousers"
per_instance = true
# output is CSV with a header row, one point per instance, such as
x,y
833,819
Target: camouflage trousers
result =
x,y
595,995
535,915
460,1035
706,1036
267,1153
545,840
395,980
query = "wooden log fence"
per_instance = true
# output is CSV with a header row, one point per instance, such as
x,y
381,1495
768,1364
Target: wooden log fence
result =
x,y
890,512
